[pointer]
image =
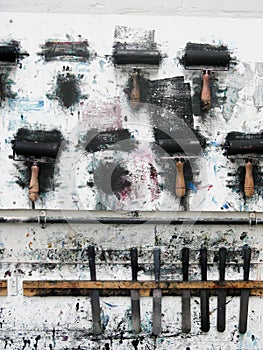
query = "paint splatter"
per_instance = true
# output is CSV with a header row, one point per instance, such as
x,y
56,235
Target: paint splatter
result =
x,y
67,89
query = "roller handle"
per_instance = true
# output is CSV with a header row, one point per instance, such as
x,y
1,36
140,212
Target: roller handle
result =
x,y
34,183
134,263
179,180
249,182
206,93
135,94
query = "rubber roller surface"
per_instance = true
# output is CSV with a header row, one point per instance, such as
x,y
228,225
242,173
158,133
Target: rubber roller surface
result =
x,y
244,146
39,149
8,54
132,56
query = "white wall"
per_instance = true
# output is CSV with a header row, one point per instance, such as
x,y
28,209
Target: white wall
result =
x,y
241,8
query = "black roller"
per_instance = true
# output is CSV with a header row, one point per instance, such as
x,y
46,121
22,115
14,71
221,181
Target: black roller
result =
x,y
184,145
133,56
8,53
243,146
37,149
199,56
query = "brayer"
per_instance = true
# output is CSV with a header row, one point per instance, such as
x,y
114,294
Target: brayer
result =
x,y
9,54
135,55
207,58
238,143
181,149
35,153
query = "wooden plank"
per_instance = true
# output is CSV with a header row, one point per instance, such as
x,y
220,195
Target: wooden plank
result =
x,y
32,287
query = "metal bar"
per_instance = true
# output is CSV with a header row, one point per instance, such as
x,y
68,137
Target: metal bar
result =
x,y
186,297
126,218
135,294
157,294
221,299
94,294
244,299
204,296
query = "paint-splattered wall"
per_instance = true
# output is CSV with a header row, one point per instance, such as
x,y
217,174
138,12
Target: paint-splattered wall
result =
x,y
67,109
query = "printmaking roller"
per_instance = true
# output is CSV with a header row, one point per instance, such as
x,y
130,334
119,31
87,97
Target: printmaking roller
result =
x,y
181,148
136,56
35,153
238,143
10,54
207,58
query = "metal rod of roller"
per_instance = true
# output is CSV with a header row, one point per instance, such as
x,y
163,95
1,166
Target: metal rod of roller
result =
x,y
94,294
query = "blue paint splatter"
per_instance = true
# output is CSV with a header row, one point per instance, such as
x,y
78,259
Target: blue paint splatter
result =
x,y
214,200
214,144
225,206
215,169
102,64
191,186
110,304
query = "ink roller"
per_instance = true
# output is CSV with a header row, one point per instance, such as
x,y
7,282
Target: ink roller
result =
x,y
137,59
181,149
35,153
238,143
9,54
207,58
136,50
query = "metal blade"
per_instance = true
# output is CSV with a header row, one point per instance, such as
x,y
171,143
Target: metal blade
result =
x,y
221,300
94,294
243,313
204,294
157,294
186,311
135,295
186,301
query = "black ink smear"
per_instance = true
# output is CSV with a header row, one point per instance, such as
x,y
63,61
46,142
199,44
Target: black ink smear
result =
x,y
112,179
67,89
120,139
5,85
171,93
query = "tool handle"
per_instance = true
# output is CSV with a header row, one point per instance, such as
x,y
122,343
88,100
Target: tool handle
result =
x,y
222,263
249,181
206,93
135,95
179,180
203,263
246,252
34,183
157,263
134,263
92,267
185,263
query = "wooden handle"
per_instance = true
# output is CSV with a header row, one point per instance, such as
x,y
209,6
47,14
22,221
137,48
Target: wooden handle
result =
x,y
206,93
135,95
179,180
249,182
34,184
